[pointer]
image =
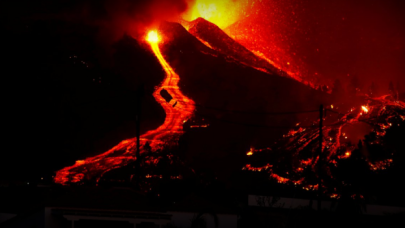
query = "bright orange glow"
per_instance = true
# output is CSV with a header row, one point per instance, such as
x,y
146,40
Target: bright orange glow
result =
x,y
220,12
347,154
80,162
153,37
365,109
257,169
295,75
280,180
334,196
125,151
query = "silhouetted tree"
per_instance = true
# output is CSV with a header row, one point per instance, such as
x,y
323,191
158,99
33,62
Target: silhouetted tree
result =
x,y
392,90
147,148
372,90
360,145
337,88
397,90
354,85
391,87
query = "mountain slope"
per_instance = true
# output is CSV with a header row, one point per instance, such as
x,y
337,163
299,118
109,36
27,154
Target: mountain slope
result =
x,y
233,99
221,42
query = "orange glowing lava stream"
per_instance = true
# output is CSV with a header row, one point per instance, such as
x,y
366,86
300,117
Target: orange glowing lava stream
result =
x,y
331,147
178,110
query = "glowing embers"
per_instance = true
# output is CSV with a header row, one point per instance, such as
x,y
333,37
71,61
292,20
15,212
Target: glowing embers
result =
x,y
334,196
249,167
292,73
243,22
293,132
250,33
241,43
94,168
381,165
365,109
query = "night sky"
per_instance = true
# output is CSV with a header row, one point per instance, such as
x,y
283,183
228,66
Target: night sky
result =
x,y
340,38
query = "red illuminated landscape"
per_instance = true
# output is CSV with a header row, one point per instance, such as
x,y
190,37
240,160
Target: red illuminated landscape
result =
x,y
178,110
205,37
379,115
203,113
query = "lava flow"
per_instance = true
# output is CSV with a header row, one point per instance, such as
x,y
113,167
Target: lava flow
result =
x,y
178,110
380,114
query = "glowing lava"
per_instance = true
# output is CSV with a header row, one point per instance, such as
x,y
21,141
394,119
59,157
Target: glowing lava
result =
x,y
153,37
365,109
178,111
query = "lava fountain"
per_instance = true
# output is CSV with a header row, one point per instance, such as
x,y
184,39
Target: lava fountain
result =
x,y
222,13
178,110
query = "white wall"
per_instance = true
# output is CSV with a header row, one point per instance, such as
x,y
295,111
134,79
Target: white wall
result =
x,y
183,219
282,202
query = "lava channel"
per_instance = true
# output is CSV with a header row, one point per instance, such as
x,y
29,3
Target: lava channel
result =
x,y
178,111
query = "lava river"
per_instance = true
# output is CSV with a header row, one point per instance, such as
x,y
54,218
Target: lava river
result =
x,y
178,110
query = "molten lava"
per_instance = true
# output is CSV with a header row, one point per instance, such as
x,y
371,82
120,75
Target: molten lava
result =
x,y
178,111
180,108
381,113
365,109
153,37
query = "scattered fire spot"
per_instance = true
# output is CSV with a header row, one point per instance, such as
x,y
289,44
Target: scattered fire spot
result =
x,y
365,109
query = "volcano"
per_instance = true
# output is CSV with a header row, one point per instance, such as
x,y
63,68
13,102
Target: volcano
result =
x,y
225,100
218,40
219,76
